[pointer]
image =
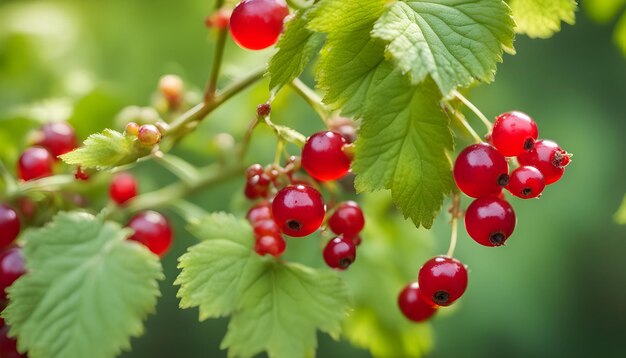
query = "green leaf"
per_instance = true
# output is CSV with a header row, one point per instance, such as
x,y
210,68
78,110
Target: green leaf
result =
x,y
296,47
603,10
453,41
620,216
542,18
86,292
107,150
275,307
620,33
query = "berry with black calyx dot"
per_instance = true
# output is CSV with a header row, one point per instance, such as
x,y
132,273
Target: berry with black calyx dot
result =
x,y
514,133
413,305
153,230
347,219
442,280
549,158
123,188
9,225
35,163
340,253
257,24
323,156
149,135
298,210
490,221
526,182
481,170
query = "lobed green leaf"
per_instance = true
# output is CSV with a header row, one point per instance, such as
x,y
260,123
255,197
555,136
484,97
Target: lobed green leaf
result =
x,y
542,18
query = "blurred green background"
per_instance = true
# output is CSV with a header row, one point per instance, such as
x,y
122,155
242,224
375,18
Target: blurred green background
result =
x,y
558,289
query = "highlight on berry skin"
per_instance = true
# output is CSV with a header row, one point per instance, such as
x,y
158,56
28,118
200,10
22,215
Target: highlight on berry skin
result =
x,y
490,221
257,24
480,170
340,253
442,280
413,305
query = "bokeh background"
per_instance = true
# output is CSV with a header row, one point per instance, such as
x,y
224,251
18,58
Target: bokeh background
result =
x,y
558,289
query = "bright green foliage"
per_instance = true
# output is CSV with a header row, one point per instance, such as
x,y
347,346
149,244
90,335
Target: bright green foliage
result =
x,y
620,216
376,323
87,290
603,10
296,48
620,33
542,18
453,41
107,150
275,307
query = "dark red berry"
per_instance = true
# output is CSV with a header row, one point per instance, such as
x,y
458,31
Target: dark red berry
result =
x,y
298,210
257,186
219,19
442,280
254,169
269,244
340,253
123,188
549,158
357,240
8,346
323,156
58,138
266,227
261,211
149,135
264,109
34,163
514,133
80,174
153,230
526,182
413,305
347,219
481,170
11,268
9,225
256,24
490,221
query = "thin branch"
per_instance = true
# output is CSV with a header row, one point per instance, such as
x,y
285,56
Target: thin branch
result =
x,y
456,214
211,88
474,109
311,98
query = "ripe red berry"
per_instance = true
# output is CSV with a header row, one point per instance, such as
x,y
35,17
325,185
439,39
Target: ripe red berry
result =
x,y
273,245
257,186
526,182
149,135
514,133
490,221
261,211
549,158
8,346
298,210
357,240
347,219
153,230
9,225
11,268
481,170
34,163
257,24
340,253
266,227
254,169
413,305
323,156
58,138
123,188
442,280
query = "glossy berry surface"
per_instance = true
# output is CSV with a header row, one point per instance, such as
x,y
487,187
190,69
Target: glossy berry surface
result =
x,y
34,163
257,186
549,158
490,221
149,135
58,137
526,182
256,24
266,227
9,225
298,210
340,253
413,305
323,156
514,133
442,280
261,211
347,219
273,245
11,268
152,230
8,346
123,188
481,170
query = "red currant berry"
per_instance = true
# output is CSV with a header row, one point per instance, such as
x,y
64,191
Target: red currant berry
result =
x,y
490,221
11,268
340,253
298,210
357,240
266,227
153,230
323,156
526,182
481,170
257,186
58,138
123,188
9,225
514,133
8,346
347,219
219,19
34,163
254,169
413,305
549,158
269,244
149,135
261,211
442,280
80,174
256,24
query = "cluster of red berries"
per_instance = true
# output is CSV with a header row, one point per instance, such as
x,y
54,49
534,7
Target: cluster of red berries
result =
x,y
257,24
481,171
294,207
50,141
